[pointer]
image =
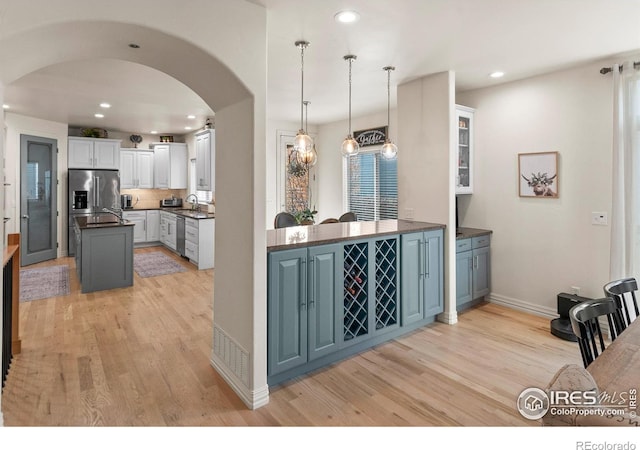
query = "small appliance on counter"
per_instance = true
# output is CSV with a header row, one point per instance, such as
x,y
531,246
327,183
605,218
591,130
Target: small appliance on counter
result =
x,y
126,201
170,202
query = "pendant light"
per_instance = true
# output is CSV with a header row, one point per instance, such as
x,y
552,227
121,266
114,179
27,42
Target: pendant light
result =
x,y
389,150
350,146
303,142
309,159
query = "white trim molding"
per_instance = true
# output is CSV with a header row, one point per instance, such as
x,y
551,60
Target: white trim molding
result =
x,y
521,305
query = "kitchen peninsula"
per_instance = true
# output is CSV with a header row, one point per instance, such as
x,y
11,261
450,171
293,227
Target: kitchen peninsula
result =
x,y
337,289
104,252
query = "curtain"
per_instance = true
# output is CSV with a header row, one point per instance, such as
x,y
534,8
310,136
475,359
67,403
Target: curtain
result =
x,y
625,220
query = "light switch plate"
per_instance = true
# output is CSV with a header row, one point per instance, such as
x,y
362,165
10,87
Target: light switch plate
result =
x,y
408,213
599,218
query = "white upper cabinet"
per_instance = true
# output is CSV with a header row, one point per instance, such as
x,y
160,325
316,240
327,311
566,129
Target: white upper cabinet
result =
x,y
170,165
205,160
136,169
465,148
93,153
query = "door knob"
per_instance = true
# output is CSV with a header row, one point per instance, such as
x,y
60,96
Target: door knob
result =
x,y
26,216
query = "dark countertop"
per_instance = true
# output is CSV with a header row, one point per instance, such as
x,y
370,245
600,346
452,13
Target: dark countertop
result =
x,y
309,235
465,233
180,211
100,221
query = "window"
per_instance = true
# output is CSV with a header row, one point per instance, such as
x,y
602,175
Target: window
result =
x,y
371,186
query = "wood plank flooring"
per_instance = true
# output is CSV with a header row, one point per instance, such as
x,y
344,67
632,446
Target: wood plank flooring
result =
x,y
139,356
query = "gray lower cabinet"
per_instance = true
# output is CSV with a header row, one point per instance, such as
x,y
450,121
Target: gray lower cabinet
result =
x,y
421,275
472,269
303,314
327,302
104,258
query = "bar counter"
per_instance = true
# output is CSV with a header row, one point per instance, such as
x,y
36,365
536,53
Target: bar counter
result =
x,y
329,233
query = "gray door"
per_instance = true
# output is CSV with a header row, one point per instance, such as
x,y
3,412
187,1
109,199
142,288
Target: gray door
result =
x,y
38,202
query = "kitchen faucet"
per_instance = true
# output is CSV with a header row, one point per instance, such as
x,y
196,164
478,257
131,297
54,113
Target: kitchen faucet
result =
x,y
194,204
117,213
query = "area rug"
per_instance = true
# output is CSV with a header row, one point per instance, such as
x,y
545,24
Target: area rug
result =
x,y
45,282
153,264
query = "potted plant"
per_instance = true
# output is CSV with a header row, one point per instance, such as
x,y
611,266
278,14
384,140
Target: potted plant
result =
x,y
305,216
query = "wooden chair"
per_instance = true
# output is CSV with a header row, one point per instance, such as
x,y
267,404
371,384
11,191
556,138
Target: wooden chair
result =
x,y
586,326
624,293
284,219
330,220
348,217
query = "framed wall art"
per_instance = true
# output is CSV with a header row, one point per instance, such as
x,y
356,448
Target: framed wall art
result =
x,y
538,175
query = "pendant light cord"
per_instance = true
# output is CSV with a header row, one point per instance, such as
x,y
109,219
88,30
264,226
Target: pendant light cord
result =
x,y
302,84
350,61
388,69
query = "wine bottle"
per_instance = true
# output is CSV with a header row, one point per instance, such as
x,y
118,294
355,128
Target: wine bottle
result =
x,y
349,288
355,277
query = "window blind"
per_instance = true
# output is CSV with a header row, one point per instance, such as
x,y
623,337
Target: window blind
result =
x,y
372,186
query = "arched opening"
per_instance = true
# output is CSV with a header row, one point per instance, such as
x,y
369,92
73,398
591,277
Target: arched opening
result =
x,y
238,354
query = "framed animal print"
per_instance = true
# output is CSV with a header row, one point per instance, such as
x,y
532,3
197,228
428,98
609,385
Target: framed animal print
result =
x,y
538,175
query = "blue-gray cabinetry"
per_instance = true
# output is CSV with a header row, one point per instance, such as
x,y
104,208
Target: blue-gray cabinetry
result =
x,y
422,276
473,269
330,301
303,315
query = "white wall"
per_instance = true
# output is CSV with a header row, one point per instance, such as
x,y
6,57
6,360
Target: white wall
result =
x,y
2,196
16,125
541,247
330,197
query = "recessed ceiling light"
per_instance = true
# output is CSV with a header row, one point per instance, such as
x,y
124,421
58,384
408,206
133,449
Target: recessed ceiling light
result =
x,y
347,16
105,105
98,115
5,106
191,116
497,74
154,132
187,128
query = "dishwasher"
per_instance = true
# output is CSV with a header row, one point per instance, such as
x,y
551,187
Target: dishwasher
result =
x,y
180,235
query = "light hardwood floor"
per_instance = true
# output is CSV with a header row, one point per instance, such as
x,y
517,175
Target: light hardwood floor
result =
x,y
140,356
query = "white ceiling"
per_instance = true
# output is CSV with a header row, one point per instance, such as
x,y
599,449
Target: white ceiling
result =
x,y
418,37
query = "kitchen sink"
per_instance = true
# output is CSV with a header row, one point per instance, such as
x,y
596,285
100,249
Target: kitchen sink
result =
x,y
192,213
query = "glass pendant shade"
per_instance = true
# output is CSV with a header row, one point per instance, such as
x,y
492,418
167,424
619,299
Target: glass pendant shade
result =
x,y
350,146
389,150
302,143
309,159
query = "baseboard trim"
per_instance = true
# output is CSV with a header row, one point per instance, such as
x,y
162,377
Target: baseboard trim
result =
x,y
521,305
253,398
448,317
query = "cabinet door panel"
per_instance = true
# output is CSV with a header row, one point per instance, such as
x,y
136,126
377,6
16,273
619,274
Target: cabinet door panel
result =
x,y
481,272
161,166
144,169
411,278
463,277
127,169
80,154
287,310
106,154
433,275
324,289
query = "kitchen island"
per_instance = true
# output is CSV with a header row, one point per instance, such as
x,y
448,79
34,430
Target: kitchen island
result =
x,y
104,252
334,290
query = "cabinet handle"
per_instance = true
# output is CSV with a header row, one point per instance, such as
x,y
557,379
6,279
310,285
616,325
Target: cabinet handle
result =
x,y
144,225
313,283
475,262
303,284
427,257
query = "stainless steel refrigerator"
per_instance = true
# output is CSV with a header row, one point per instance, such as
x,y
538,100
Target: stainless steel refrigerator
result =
x,y
89,192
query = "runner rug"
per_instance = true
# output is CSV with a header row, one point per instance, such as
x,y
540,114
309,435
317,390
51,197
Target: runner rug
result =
x,y
153,264
44,282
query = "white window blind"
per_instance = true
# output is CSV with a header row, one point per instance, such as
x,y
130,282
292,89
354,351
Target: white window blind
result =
x,y
372,186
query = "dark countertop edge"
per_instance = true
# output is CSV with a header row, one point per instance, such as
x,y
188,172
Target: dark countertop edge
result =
x,y
466,233
171,209
419,226
82,224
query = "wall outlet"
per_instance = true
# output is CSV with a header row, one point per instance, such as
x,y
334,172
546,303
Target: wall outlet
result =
x,y
408,213
599,218
575,290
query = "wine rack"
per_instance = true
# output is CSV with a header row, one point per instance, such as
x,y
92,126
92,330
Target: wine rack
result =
x,y
386,283
356,302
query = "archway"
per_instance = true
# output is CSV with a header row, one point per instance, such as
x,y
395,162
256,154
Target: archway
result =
x,y
239,354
